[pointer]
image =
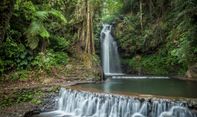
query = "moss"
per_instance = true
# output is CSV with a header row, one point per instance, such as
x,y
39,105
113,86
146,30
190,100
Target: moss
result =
x,y
33,96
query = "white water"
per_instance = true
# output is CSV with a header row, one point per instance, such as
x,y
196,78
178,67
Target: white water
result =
x,y
110,56
138,77
85,104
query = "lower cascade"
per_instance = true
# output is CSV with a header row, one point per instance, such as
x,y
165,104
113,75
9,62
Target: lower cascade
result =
x,y
74,103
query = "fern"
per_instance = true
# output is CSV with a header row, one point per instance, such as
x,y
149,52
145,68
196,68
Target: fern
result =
x,y
42,15
43,32
33,42
37,30
58,15
34,28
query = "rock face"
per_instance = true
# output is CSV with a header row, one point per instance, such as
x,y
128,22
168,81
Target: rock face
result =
x,y
192,72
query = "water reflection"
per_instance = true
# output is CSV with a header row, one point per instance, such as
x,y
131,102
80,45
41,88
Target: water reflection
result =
x,y
161,87
107,86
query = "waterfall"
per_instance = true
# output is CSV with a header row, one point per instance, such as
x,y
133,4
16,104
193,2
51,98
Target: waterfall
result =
x,y
74,103
109,50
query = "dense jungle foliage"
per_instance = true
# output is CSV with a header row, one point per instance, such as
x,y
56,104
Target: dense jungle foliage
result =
x,y
41,34
155,36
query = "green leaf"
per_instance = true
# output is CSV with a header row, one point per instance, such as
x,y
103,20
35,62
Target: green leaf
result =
x,y
58,15
44,33
33,42
42,15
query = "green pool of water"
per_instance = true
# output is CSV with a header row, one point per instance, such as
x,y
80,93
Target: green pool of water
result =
x,y
160,87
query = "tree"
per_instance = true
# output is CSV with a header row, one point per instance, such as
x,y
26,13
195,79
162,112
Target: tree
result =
x,y
84,15
6,10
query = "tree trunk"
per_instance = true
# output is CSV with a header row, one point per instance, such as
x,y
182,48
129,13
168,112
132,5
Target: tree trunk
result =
x,y
92,36
89,34
150,4
88,37
6,10
141,15
84,14
44,45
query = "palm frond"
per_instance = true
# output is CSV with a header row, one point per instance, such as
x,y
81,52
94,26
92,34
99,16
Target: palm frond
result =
x,y
58,15
33,28
43,32
36,28
42,15
31,34
33,42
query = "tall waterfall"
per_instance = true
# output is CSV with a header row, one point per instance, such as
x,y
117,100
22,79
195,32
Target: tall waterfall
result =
x,y
110,56
74,103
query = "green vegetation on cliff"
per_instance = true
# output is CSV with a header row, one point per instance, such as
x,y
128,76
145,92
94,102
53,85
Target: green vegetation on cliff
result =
x,y
157,36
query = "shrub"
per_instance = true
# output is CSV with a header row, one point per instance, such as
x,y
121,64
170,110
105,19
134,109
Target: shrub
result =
x,y
49,59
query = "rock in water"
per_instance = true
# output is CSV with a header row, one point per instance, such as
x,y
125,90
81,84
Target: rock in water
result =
x,y
192,72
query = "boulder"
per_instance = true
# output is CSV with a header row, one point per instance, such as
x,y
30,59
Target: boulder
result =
x,y
192,72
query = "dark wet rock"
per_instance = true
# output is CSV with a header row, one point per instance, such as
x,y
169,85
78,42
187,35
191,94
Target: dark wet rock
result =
x,y
50,101
27,109
192,72
33,112
48,104
121,17
113,23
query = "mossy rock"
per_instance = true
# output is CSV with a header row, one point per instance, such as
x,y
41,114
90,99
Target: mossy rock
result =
x,y
192,72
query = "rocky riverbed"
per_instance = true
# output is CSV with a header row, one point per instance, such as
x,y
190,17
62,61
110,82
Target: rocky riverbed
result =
x,y
44,98
24,101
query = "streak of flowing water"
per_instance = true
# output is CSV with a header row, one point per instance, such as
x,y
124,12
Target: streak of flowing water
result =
x,y
74,103
110,56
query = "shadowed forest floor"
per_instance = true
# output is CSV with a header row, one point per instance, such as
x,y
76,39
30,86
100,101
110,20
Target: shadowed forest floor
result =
x,y
19,97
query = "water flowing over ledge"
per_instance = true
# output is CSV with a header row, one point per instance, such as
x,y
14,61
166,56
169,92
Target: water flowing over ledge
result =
x,y
138,77
109,51
73,103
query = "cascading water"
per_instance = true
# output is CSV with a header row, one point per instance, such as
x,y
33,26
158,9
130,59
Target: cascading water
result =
x,y
74,103
110,56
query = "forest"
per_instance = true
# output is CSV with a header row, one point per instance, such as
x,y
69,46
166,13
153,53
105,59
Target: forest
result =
x,y
154,37
46,42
